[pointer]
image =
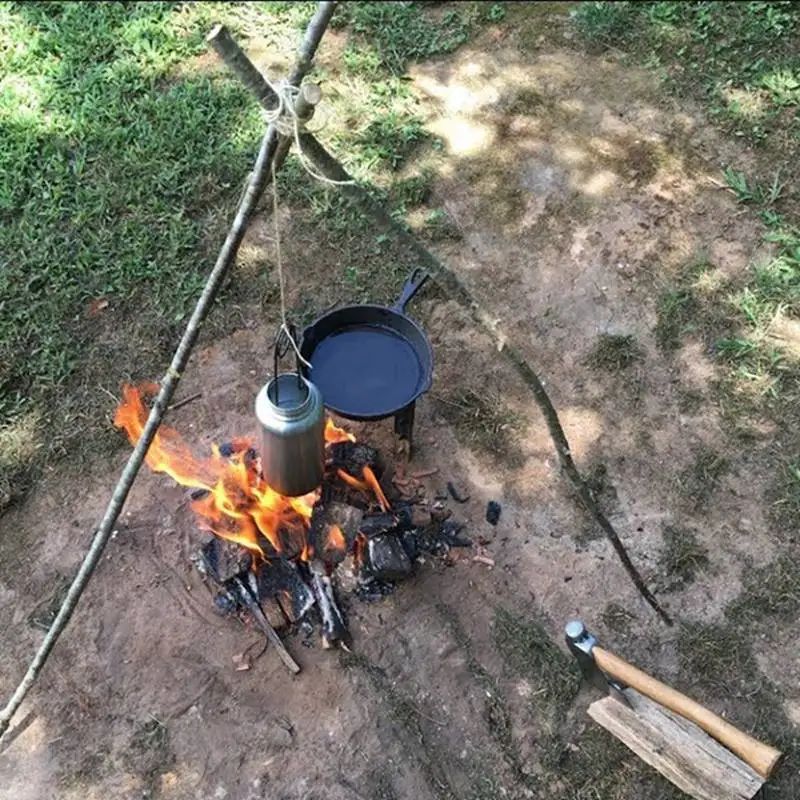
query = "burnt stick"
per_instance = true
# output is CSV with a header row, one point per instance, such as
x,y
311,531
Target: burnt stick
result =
x,y
252,606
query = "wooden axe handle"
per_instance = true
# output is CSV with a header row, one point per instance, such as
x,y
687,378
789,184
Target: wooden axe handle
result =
x,y
760,756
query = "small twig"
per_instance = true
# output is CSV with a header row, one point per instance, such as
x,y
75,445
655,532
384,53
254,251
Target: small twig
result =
x,y
424,473
185,402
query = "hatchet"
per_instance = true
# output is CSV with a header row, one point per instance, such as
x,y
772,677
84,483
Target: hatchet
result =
x,y
613,674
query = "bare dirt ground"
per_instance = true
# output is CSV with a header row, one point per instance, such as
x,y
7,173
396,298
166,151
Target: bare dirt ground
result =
x,y
576,191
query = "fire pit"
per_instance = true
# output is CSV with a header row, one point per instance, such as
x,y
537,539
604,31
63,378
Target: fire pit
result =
x,y
282,560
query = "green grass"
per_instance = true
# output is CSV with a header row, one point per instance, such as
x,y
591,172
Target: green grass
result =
x,y
698,482
739,58
683,556
615,352
483,421
122,161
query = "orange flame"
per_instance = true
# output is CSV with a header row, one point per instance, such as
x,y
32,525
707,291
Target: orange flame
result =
x,y
336,540
238,505
370,483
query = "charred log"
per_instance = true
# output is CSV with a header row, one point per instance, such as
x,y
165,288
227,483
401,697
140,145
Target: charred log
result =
x,y
385,559
377,524
280,580
334,630
224,560
352,457
329,545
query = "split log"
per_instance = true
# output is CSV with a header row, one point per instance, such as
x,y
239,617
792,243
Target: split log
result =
x,y
334,630
683,753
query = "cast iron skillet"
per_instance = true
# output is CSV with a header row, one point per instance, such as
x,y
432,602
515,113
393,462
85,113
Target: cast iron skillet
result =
x,y
369,362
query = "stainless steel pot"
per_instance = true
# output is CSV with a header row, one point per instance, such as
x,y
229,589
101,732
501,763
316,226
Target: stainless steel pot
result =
x,y
291,418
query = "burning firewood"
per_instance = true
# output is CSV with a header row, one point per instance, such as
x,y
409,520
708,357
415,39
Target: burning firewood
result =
x,y
332,520
334,630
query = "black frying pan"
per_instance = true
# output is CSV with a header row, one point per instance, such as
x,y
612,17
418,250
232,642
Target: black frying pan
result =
x,y
370,362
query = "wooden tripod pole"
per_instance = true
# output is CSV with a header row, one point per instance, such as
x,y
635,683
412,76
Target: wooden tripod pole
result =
x,y
259,179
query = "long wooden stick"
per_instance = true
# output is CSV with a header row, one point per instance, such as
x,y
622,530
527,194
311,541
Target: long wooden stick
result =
x,y
259,179
332,169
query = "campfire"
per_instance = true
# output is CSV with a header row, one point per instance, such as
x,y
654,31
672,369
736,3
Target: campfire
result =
x,y
281,558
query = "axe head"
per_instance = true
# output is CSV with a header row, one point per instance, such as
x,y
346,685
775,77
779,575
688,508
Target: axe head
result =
x,y
581,643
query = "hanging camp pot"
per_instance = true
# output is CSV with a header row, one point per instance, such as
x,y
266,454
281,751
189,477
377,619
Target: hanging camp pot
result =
x,y
291,417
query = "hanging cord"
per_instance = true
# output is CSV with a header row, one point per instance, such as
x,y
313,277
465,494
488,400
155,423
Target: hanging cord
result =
x,y
279,262
287,123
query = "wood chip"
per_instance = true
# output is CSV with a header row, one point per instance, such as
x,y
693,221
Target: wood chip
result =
x,y
241,661
424,473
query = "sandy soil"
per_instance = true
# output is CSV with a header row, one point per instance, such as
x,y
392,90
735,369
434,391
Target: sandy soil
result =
x,y
578,192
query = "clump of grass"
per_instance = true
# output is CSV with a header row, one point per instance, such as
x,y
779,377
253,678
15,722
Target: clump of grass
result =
x,y
697,482
676,308
484,422
439,226
398,33
412,192
390,139
531,653
683,556
617,618
771,591
615,352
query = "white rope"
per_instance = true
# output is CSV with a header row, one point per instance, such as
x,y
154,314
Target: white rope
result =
x,y
279,262
287,123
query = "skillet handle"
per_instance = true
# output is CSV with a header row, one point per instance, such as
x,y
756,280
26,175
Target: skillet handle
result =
x,y
415,282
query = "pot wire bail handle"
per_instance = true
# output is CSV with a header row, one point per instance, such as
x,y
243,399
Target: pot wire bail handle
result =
x,y
284,342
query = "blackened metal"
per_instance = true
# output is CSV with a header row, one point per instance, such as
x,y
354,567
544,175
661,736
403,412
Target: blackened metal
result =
x,y
386,559
334,629
198,494
282,344
493,509
455,494
224,560
404,423
398,351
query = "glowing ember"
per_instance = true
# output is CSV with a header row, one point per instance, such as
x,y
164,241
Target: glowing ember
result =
x,y
336,540
238,505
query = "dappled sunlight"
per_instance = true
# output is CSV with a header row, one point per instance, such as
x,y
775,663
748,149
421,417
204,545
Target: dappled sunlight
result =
x,y
582,426
20,440
599,184
784,333
463,136
745,102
